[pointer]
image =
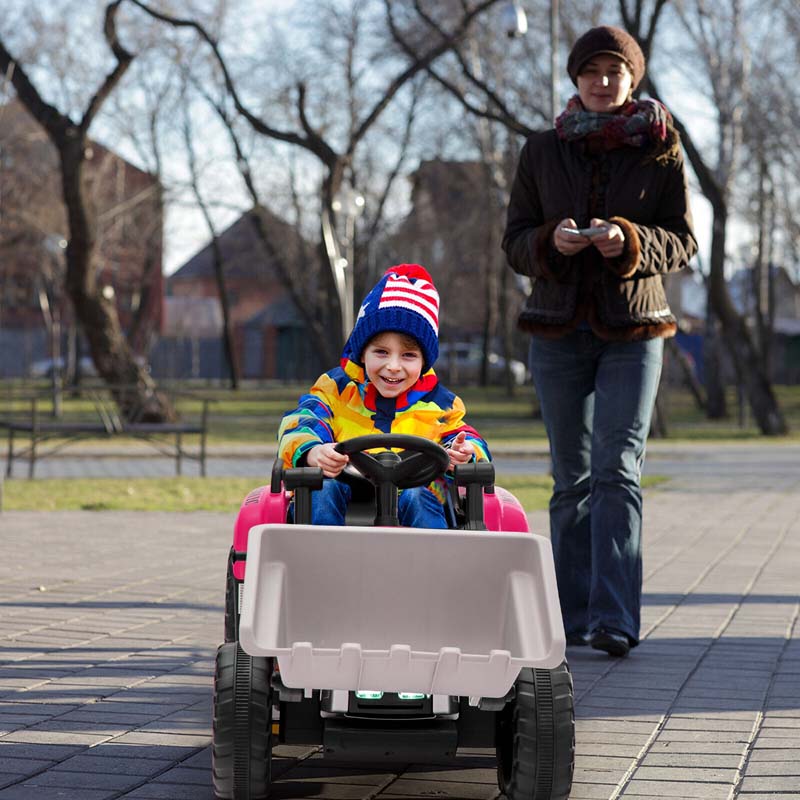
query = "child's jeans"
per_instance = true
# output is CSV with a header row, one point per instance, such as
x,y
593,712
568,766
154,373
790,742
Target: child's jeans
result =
x,y
417,507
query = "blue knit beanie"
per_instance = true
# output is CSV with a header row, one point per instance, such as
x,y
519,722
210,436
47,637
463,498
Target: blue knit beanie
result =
x,y
405,301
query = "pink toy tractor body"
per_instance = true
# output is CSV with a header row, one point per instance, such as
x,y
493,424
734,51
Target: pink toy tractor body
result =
x,y
383,642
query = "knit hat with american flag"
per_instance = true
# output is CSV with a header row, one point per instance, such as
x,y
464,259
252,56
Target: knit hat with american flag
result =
x,y
404,300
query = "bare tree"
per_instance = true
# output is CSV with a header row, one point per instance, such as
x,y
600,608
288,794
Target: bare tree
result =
x,y
491,90
720,40
216,251
337,163
134,389
725,66
768,194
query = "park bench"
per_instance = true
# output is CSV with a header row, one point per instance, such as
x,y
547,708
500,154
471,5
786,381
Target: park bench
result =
x,y
34,434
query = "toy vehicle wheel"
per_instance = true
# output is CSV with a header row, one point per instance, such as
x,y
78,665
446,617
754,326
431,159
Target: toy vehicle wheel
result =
x,y
241,752
535,737
231,604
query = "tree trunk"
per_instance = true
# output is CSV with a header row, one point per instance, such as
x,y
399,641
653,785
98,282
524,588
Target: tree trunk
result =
x,y
716,404
748,365
133,389
689,374
227,329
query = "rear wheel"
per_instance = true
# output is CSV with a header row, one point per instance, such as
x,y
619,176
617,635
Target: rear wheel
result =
x,y
241,751
231,603
535,737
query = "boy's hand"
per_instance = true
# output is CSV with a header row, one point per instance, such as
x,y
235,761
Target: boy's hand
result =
x,y
327,459
460,451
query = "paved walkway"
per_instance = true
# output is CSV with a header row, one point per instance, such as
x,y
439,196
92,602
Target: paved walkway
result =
x,y
109,621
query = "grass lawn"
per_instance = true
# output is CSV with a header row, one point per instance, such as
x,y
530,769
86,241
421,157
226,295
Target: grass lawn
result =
x,y
193,494
253,414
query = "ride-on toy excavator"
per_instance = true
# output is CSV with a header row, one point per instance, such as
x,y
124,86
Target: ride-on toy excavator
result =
x,y
385,643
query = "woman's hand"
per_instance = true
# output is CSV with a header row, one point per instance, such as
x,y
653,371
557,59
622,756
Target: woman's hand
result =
x,y
327,459
611,242
568,244
460,451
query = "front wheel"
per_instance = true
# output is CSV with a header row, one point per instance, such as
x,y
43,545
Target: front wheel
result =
x,y
241,752
535,737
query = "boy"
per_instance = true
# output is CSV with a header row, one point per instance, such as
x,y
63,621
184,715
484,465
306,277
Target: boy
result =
x,y
384,384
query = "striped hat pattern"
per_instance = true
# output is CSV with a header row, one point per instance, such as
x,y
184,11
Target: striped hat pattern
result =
x,y
404,300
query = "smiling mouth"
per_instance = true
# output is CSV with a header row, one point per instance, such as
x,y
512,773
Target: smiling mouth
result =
x,y
393,381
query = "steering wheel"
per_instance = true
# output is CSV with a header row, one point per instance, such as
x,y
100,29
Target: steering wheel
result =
x,y
421,462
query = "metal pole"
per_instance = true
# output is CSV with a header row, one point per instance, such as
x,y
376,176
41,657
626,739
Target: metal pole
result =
x,y
553,59
337,265
349,272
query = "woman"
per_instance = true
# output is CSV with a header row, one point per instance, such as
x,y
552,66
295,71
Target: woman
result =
x,y
598,316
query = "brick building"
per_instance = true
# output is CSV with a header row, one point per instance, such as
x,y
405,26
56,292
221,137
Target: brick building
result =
x,y
269,335
126,205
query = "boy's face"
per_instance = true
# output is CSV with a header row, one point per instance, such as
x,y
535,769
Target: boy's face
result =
x,y
393,363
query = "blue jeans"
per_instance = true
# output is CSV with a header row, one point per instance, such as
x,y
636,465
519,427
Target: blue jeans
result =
x,y
597,401
416,508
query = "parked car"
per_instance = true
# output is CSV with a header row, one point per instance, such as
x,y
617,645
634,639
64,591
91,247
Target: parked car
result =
x,y
460,363
43,368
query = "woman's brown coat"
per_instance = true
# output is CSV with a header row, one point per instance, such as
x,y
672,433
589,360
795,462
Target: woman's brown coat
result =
x,y
621,298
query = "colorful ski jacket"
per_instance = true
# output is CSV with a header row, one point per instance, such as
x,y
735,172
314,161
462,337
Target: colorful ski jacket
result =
x,y
343,404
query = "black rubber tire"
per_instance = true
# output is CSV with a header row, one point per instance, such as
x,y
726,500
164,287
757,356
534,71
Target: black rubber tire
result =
x,y
231,603
241,752
535,737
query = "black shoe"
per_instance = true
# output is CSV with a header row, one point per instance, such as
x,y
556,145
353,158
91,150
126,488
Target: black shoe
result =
x,y
577,639
615,644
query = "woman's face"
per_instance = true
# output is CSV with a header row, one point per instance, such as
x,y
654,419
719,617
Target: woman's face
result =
x,y
604,83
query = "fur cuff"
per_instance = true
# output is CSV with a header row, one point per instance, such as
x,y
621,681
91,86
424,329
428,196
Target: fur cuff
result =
x,y
625,265
551,262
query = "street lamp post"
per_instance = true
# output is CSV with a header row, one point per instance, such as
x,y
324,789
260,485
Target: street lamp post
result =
x,y
515,23
50,281
350,204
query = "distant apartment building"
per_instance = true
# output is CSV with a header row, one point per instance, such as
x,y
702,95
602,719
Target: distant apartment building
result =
x,y
126,204
268,332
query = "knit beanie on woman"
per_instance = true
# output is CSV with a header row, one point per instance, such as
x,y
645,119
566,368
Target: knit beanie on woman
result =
x,y
404,301
611,41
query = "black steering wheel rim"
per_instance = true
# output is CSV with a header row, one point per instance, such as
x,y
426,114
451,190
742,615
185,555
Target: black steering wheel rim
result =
x,y
421,462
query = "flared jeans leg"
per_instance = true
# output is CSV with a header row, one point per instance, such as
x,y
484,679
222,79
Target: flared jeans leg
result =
x,y
597,401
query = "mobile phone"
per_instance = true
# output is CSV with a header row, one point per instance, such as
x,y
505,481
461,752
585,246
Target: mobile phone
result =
x,y
585,231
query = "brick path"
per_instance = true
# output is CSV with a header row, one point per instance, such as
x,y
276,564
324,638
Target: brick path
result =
x,y
109,621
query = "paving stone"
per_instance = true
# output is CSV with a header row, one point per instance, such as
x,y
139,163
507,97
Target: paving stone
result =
x,y
336,774
769,784
93,764
78,781
168,791
27,792
132,654
769,796
774,768
677,788
678,722
449,789
702,774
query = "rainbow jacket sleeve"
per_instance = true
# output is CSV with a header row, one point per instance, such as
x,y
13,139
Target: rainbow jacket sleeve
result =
x,y
342,404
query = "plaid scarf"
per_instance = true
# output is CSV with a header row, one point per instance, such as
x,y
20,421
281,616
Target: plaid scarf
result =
x,y
637,124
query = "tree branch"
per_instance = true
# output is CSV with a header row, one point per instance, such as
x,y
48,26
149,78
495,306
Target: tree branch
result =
x,y
49,117
504,117
421,63
258,124
708,183
124,59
